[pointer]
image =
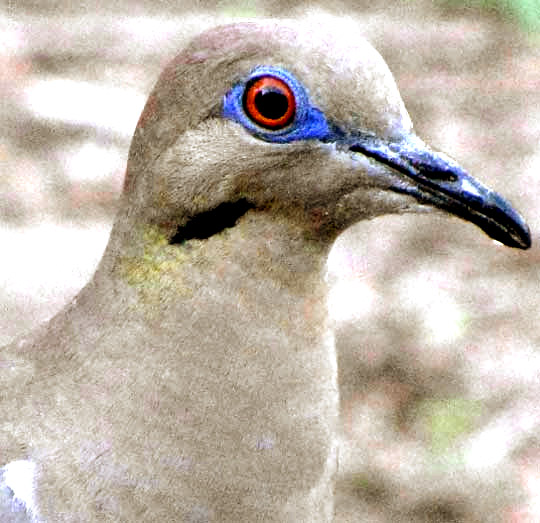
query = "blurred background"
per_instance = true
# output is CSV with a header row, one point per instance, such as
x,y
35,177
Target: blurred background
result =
x,y
437,331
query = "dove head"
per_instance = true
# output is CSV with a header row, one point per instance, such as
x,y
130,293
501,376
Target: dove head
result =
x,y
301,121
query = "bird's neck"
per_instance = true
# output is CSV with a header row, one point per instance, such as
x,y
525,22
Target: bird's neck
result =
x,y
262,256
227,333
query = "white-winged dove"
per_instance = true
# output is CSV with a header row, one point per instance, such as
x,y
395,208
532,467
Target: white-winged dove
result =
x,y
193,379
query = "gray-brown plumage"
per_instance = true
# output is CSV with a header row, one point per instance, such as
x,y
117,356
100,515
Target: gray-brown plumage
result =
x,y
194,378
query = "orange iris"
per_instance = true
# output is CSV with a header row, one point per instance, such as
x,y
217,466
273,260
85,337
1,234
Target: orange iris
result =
x,y
270,102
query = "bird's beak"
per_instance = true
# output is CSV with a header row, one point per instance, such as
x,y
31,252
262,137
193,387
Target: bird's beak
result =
x,y
435,179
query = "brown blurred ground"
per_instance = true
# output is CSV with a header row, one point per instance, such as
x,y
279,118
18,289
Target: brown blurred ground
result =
x,y
438,337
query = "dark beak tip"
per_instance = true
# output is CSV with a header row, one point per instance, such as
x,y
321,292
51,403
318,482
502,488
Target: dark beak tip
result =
x,y
509,229
519,238
525,239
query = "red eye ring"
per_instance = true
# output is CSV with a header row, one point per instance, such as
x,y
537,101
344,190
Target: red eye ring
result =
x,y
269,102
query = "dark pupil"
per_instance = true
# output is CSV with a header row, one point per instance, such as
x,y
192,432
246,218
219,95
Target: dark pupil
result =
x,y
271,104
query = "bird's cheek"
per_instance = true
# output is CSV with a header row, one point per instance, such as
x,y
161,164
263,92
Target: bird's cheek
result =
x,y
369,202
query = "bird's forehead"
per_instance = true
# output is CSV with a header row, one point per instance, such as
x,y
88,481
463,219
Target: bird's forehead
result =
x,y
347,77
344,75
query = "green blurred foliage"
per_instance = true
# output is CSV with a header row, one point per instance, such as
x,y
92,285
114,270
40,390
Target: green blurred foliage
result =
x,y
446,420
526,12
240,8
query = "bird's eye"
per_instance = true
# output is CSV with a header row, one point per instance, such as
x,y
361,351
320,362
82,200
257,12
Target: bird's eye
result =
x,y
273,106
269,102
